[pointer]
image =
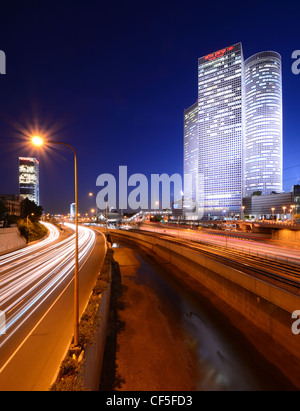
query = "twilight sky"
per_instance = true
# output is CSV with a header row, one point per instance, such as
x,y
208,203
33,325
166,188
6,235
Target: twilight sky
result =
x,y
113,79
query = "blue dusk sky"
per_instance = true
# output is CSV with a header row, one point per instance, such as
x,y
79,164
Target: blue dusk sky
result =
x,y
113,79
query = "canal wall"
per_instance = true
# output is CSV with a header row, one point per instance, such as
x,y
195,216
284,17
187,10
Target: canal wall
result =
x,y
286,235
94,353
267,307
10,239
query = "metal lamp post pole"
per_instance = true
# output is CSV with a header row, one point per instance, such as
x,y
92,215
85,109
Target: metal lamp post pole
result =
x,y
76,279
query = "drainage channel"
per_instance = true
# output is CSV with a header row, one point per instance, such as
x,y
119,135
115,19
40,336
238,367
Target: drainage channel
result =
x,y
166,335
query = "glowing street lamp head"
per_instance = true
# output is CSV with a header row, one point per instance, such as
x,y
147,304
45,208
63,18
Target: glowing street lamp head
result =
x,y
37,140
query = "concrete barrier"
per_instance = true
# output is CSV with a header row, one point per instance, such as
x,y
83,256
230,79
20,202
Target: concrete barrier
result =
x,y
93,354
286,235
267,307
10,239
88,357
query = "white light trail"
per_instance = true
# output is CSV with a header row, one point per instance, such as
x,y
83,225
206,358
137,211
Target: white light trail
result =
x,y
251,247
29,276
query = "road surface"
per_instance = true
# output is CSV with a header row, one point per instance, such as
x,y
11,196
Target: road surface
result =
x,y
281,250
36,295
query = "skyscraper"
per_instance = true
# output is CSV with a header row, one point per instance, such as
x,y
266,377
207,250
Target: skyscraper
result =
x,y
220,130
263,123
72,211
29,179
190,153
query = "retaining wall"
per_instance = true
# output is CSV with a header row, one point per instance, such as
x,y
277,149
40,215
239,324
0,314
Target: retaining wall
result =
x,y
10,239
286,235
93,354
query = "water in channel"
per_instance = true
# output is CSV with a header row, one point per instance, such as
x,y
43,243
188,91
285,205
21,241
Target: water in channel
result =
x,y
223,359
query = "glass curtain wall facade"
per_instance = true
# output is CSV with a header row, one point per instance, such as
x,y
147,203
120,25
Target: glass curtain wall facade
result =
x,y
190,154
220,131
29,179
263,124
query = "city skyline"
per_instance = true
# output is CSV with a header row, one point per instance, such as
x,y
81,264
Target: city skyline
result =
x,y
150,198
73,88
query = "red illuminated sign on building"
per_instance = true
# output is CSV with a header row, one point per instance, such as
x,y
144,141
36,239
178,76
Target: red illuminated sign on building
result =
x,y
217,54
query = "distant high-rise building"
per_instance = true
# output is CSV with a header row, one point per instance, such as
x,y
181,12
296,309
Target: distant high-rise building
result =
x,y
190,153
263,124
29,179
220,130
72,211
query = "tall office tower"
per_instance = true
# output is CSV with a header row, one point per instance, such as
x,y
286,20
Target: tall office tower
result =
x,y
220,130
263,123
190,154
29,179
72,211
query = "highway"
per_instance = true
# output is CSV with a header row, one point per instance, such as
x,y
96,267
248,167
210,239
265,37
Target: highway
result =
x,y
254,246
36,295
276,264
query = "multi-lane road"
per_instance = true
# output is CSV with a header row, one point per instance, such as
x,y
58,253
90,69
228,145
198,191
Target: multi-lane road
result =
x,y
281,251
36,301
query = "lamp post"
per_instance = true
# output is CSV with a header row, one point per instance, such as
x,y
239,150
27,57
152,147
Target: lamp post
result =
x,y
225,214
293,211
273,209
243,209
38,141
27,218
92,213
283,211
106,217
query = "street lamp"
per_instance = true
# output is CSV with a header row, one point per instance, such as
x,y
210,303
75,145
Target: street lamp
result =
x,y
225,225
243,209
283,211
27,218
273,209
38,141
293,211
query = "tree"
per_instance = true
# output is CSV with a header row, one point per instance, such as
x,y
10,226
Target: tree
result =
x,y
30,209
3,211
256,193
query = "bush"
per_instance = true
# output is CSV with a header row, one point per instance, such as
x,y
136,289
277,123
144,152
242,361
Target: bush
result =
x,y
33,231
68,376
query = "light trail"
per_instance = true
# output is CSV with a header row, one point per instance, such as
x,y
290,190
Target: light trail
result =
x,y
19,256
253,247
31,275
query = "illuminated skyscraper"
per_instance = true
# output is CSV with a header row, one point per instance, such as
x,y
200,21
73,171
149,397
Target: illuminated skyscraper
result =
x,y
29,179
220,130
263,123
72,211
190,153
237,149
